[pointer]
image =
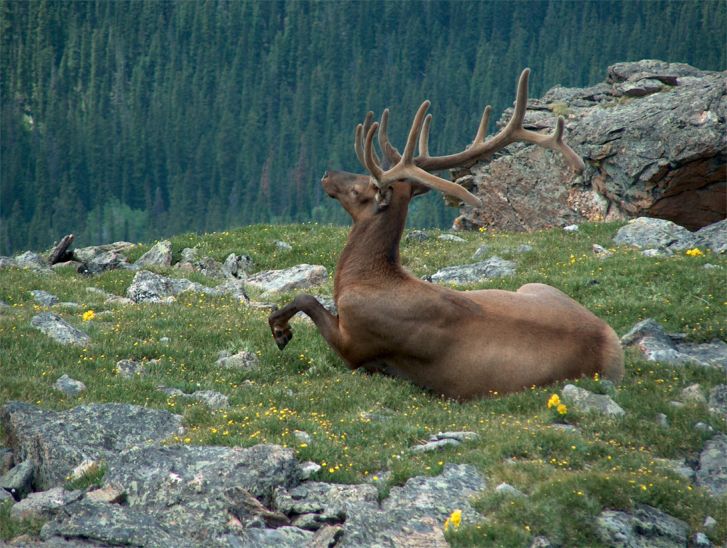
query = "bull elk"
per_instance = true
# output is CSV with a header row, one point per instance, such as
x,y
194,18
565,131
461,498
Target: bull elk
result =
x,y
461,344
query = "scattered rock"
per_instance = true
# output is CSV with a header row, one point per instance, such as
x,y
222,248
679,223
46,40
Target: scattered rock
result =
x,y
32,261
302,437
237,266
44,505
648,233
444,439
703,427
109,493
159,255
108,260
712,471
302,276
417,236
643,527
70,387
59,330
6,460
494,267
242,360
662,420
128,369
148,287
18,480
283,246
88,254
481,252
55,442
659,252
571,228
656,345
601,251
509,490
450,238
44,298
693,394
541,542
212,399
588,402
700,540
307,469
710,523
718,399
679,467
713,237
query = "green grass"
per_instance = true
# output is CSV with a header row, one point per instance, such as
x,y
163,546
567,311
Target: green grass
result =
x,y
362,425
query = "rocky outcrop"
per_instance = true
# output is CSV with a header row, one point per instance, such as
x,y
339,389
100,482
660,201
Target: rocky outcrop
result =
x,y
154,494
494,267
654,140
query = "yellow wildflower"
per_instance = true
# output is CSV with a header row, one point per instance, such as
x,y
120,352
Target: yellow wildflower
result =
x,y
694,252
454,520
596,377
554,401
561,409
88,315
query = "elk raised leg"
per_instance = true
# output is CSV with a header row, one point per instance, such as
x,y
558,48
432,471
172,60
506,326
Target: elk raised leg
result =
x,y
326,322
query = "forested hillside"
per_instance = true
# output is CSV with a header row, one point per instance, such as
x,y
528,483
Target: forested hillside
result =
x,y
136,119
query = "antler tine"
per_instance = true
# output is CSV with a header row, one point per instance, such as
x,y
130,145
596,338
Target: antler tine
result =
x,y
371,162
482,130
360,133
391,155
415,132
424,136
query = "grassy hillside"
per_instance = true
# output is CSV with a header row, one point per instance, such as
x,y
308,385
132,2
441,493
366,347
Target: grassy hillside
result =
x,y
362,426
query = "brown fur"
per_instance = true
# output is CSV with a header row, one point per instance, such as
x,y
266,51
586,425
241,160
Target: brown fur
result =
x,y
462,344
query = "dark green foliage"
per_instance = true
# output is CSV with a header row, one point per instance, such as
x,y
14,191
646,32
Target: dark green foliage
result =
x,y
137,119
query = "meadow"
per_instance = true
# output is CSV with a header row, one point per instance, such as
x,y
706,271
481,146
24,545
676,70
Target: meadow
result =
x,y
361,426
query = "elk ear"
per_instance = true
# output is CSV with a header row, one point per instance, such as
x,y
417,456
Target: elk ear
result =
x,y
418,189
383,197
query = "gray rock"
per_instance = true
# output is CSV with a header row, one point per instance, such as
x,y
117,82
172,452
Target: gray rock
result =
x,y
148,287
159,255
713,237
588,402
59,330
88,254
444,439
710,523
56,442
206,266
661,155
68,386
32,261
6,460
693,394
656,345
6,496
417,236
44,505
44,298
235,288
509,490
718,399
302,276
107,260
242,360
413,515
481,252
450,238
18,480
494,267
283,246
645,527
128,369
679,467
571,228
7,262
237,266
712,471
700,540
541,542
212,399
647,233
659,253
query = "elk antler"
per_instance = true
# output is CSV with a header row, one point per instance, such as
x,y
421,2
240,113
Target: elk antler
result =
x,y
418,168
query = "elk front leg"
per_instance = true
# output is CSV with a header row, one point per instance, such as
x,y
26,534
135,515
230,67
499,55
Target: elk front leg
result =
x,y
326,322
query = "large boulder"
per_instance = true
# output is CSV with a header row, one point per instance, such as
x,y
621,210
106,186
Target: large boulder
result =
x,y
654,140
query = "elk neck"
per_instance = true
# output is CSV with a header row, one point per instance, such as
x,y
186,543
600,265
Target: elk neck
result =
x,y
372,250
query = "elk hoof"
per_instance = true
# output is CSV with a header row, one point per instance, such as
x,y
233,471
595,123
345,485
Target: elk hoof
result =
x,y
282,336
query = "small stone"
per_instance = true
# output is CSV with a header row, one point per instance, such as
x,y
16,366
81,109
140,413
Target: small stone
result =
x,y
302,437
710,266
481,252
583,400
571,228
450,238
242,360
509,490
110,494
18,480
662,420
703,427
658,252
308,468
417,236
676,404
164,340
494,267
693,394
541,542
283,246
523,248
700,540
212,399
710,522
128,369
44,298
159,255
58,329
69,387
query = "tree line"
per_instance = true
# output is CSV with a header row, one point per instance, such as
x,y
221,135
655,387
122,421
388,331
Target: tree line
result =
x,y
136,119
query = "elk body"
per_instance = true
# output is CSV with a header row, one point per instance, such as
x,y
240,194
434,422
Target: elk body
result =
x,y
461,344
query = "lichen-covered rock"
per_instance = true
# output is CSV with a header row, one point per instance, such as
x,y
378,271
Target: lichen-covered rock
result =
x,y
712,471
718,399
32,261
55,442
653,142
588,402
18,480
59,330
242,360
44,298
302,276
159,255
87,254
644,527
44,505
646,233
148,287
68,386
494,267
413,515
